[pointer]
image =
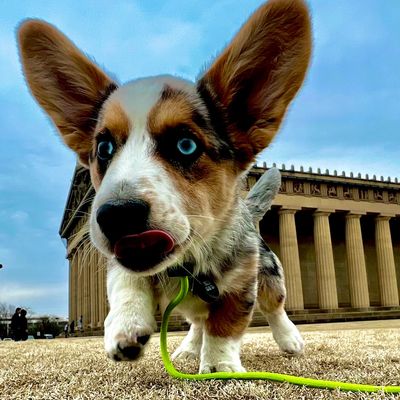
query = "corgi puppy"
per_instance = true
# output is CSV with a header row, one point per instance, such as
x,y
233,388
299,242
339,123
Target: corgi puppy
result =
x,y
167,158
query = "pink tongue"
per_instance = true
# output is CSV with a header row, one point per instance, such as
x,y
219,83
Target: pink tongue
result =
x,y
155,241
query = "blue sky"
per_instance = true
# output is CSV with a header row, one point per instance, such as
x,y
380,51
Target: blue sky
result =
x,y
346,116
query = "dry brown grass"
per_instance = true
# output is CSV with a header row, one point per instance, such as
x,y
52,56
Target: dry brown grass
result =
x,y
79,369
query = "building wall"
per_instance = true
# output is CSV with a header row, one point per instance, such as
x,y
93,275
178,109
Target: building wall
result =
x,y
307,197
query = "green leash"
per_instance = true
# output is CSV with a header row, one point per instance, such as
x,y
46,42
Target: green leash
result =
x,y
296,380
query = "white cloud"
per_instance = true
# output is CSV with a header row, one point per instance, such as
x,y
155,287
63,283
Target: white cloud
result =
x,y
19,216
17,293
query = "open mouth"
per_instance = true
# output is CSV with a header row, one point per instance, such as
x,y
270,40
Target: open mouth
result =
x,y
142,251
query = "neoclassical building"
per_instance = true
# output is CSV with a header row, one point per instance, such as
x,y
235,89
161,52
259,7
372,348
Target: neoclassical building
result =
x,y
337,235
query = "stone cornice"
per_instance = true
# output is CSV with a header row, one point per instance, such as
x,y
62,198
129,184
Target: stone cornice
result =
x,y
77,202
307,184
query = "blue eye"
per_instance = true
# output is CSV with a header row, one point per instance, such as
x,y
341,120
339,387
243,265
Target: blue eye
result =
x,y
105,150
186,146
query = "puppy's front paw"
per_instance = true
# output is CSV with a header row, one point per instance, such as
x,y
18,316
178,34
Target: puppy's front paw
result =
x,y
125,335
190,347
291,341
286,335
220,355
223,366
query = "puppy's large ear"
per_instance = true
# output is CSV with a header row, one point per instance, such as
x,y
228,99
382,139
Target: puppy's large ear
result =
x,y
69,87
259,73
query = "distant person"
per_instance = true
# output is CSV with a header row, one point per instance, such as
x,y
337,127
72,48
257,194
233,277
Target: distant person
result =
x,y
42,330
80,324
66,327
15,325
72,327
23,325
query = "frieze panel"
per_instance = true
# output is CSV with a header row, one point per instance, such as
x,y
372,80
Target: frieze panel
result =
x,y
298,187
378,195
316,189
347,193
392,198
332,191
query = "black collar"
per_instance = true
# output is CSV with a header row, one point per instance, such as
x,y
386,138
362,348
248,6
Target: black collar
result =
x,y
200,285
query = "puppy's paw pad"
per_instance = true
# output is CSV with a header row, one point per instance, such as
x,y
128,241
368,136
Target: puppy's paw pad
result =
x,y
125,348
125,343
126,353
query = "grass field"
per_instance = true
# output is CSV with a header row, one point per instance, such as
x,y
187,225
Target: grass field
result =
x,y
78,368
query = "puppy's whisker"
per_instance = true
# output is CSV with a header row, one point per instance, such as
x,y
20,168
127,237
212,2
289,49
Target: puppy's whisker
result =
x,y
207,217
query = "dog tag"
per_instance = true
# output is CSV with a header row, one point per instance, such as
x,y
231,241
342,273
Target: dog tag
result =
x,y
206,289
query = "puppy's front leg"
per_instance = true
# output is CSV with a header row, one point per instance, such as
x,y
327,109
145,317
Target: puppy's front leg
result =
x,y
131,321
223,332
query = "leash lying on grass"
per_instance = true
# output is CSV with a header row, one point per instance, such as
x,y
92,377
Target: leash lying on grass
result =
x,y
270,376
258,201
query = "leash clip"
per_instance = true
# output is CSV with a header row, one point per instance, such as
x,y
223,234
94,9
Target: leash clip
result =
x,y
200,285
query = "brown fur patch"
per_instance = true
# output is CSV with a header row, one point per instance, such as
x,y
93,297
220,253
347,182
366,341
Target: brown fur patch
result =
x,y
172,109
271,298
231,315
175,109
64,81
95,175
115,119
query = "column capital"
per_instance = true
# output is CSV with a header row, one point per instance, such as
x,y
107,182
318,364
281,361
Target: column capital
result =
x,y
355,214
288,210
323,212
384,217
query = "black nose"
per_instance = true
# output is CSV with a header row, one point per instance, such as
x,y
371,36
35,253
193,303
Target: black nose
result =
x,y
120,218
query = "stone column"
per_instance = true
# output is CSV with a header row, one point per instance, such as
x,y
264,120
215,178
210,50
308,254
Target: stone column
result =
x,y
358,282
386,265
93,289
70,290
106,304
102,288
98,288
290,259
74,291
325,266
79,306
86,293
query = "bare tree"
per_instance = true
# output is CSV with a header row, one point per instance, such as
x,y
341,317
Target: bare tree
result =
x,y
6,310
